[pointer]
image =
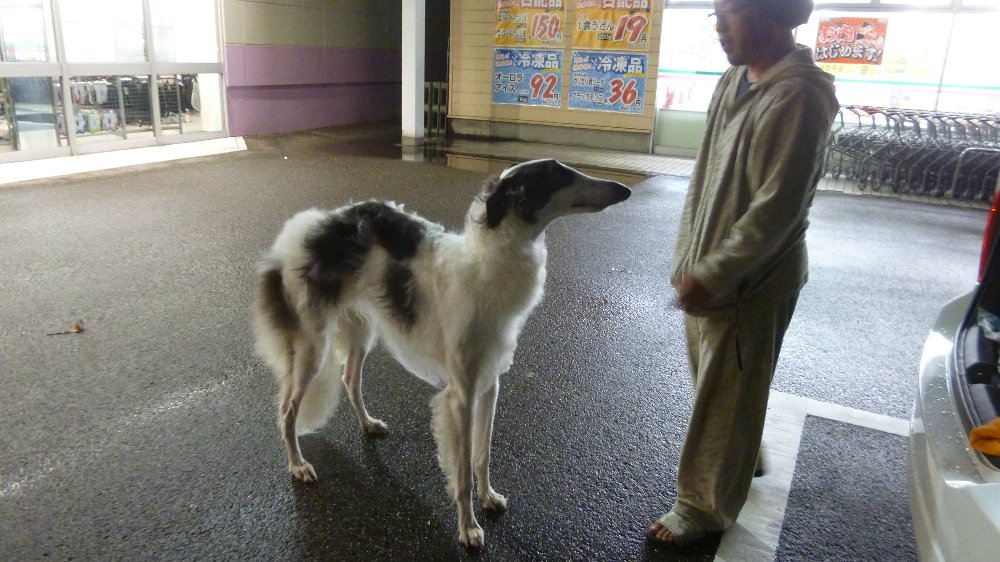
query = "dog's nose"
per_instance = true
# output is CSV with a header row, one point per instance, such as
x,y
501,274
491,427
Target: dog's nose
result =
x,y
621,192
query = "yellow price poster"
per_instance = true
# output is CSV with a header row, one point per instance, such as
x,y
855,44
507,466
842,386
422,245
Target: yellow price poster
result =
x,y
620,25
530,23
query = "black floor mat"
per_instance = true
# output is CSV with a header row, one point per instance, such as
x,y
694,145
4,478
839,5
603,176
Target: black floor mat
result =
x,y
849,498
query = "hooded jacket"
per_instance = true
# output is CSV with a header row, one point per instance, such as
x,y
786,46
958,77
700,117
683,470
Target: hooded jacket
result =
x,y
742,231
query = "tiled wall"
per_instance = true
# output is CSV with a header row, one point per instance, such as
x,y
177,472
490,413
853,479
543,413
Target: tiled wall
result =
x,y
303,64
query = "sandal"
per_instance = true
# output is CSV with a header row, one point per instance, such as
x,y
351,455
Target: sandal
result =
x,y
684,530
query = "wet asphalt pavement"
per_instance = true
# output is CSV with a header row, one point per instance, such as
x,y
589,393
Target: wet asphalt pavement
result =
x,y
152,436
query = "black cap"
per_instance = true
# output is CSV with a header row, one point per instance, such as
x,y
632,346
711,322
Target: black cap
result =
x,y
786,13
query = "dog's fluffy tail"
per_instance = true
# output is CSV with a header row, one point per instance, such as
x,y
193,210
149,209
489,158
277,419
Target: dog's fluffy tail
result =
x,y
321,398
277,327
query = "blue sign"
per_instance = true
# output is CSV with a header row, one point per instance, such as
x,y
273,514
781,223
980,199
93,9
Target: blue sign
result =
x,y
602,81
527,77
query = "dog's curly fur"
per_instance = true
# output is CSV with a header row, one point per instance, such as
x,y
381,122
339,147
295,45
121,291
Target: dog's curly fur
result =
x,y
448,306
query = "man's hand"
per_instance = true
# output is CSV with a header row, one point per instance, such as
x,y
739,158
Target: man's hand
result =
x,y
692,296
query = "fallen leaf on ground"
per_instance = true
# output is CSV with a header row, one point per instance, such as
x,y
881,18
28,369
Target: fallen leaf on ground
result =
x,y
77,328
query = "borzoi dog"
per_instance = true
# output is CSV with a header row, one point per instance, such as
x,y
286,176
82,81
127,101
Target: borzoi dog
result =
x,y
448,306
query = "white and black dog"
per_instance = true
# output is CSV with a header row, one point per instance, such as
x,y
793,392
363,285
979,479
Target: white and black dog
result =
x,y
448,306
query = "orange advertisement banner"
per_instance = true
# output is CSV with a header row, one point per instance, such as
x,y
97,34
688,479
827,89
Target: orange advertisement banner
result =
x,y
620,25
530,23
851,40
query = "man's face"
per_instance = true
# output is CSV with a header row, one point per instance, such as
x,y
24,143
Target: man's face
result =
x,y
739,29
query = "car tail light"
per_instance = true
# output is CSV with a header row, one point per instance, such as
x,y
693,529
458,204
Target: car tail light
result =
x,y
992,223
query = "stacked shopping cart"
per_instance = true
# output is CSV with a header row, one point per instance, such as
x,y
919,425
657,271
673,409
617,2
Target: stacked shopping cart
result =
x,y
935,153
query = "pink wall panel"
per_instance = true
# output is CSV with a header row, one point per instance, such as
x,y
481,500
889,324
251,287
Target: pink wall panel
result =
x,y
274,89
281,109
272,65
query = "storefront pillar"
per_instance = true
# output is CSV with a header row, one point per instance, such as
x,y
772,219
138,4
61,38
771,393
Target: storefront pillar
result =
x,y
413,72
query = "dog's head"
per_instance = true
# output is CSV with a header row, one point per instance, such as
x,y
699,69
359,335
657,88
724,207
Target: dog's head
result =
x,y
539,191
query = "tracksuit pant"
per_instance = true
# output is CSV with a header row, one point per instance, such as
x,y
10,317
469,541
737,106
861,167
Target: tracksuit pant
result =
x,y
733,354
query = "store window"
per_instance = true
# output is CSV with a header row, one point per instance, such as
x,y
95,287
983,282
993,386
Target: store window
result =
x,y
691,60
191,103
6,118
184,30
110,108
102,76
894,59
919,3
966,86
28,104
26,31
919,58
28,109
103,30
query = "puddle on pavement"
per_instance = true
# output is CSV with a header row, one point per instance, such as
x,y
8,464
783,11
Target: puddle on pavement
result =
x,y
491,165
385,144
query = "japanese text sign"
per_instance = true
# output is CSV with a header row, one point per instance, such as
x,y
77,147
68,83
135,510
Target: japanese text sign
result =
x,y
527,77
851,40
621,25
530,23
608,81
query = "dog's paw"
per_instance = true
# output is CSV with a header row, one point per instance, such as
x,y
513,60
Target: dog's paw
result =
x,y
375,427
494,501
472,537
303,472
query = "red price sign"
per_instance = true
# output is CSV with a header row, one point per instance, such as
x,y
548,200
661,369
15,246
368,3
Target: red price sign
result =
x,y
546,26
633,24
623,92
543,86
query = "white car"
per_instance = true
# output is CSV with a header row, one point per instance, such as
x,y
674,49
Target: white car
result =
x,y
954,489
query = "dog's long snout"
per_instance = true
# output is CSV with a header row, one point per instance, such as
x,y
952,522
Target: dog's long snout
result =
x,y
621,192
613,192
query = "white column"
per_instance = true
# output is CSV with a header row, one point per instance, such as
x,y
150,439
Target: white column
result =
x,y
413,72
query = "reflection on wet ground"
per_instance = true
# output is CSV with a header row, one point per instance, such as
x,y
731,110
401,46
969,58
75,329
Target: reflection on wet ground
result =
x,y
380,140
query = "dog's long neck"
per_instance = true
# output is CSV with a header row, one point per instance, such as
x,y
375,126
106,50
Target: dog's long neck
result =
x,y
512,236
511,256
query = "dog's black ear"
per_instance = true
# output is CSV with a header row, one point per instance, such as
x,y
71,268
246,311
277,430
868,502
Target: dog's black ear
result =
x,y
497,203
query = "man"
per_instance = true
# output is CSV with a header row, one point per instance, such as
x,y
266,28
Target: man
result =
x,y
741,253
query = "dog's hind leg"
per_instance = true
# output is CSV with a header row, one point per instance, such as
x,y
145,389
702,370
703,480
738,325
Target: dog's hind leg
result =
x,y
305,362
352,380
485,409
452,421
354,339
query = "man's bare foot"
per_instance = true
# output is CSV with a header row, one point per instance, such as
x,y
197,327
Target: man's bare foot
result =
x,y
672,530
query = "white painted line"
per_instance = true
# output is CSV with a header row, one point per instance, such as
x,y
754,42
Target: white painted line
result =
x,y
757,531
12,172
836,412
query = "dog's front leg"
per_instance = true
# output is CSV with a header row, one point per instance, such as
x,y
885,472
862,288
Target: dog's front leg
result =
x,y
485,410
453,431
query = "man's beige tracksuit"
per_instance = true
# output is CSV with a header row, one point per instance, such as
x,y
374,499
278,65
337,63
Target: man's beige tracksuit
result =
x,y
742,234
